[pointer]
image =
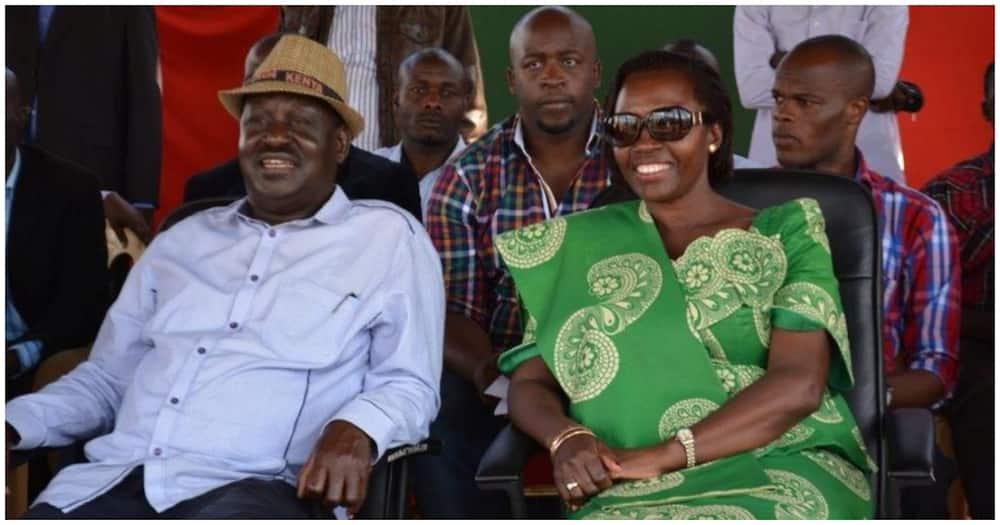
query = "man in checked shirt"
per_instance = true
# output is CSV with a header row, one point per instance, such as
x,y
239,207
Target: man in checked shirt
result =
x,y
542,162
965,191
821,93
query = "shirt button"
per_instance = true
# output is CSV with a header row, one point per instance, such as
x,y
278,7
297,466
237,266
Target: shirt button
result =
x,y
157,451
234,325
174,401
254,278
201,350
271,233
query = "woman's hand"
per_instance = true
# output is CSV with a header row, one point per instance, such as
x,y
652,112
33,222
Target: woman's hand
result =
x,y
641,463
582,467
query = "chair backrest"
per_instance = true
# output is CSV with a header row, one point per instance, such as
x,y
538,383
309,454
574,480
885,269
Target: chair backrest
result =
x,y
190,208
852,227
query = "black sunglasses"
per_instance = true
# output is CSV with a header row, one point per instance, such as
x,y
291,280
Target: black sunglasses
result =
x,y
663,124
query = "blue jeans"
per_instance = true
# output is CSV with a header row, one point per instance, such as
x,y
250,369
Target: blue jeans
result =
x,y
445,484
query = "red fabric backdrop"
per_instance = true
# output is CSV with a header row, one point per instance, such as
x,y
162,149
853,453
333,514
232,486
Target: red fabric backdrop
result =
x,y
947,49
201,51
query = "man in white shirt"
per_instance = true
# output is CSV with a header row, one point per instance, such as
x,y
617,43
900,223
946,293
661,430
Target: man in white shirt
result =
x,y
761,36
374,40
431,97
260,354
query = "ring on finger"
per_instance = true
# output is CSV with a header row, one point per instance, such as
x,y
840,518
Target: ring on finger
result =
x,y
572,485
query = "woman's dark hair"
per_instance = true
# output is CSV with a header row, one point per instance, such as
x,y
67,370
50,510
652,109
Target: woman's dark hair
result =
x,y
708,90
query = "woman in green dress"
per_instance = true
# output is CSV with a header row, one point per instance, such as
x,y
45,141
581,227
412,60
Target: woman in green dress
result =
x,y
684,355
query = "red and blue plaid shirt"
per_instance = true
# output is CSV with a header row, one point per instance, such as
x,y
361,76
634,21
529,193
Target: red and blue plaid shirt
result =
x,y
489,189
965,191
920,279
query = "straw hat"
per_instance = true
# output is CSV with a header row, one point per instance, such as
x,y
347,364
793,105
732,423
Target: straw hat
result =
x,y
301,66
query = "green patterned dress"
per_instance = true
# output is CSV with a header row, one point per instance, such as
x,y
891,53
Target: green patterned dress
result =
x,y
644,346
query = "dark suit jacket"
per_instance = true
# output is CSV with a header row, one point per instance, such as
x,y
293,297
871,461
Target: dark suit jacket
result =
x,y
56,251
361,176
95,79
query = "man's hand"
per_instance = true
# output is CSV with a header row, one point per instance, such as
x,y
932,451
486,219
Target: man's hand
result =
x,y
486,373
776,58
120,214
905,96
337,470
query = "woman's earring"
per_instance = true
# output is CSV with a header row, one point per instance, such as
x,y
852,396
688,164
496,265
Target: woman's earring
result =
x,y
712,148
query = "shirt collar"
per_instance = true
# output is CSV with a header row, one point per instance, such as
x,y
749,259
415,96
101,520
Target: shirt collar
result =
x,y
334,210
459,148
395,153
15,170
863,174
593,142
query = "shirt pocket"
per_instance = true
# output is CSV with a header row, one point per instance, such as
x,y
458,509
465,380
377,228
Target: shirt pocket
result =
x,y
310,324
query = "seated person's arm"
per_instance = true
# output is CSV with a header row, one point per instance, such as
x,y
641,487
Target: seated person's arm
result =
x,y
452,225
469,353
121,215
84,402
401,393
931,318
538,408
790,390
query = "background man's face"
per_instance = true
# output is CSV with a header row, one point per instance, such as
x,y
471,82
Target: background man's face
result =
x,y
809,118
432,101
554,74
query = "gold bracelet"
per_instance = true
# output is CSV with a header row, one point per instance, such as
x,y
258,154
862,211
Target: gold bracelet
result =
x,y
565,435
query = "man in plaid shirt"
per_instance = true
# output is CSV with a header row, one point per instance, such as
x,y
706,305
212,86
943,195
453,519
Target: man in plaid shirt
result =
x,y
544,161
821,93
965,191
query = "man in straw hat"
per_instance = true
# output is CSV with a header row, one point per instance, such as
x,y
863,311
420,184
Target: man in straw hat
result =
x,y
261,355
362,175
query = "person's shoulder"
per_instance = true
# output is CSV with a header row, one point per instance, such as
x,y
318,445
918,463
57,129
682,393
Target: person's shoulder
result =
x,y
489,143
792,220
56,174
387,217
963,176
360,159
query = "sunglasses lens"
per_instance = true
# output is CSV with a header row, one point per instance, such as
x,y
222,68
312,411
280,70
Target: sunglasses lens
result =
x,y
669,124
623,129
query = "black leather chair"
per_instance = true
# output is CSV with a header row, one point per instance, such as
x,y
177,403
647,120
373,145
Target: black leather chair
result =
x,y
900,442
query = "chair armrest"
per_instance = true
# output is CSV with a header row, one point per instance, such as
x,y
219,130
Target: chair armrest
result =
x,y
387,484
430,446
503,462
502,465
910,444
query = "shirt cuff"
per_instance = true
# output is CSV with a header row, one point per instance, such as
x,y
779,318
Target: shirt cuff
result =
x,y
371,420
30,428
29,353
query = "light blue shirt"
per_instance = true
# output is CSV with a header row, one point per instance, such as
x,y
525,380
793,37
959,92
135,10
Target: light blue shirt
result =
x,y
234,343
29,353
395,154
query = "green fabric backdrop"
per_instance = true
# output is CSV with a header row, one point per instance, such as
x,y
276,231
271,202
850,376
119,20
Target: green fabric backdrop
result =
x,y
621,32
